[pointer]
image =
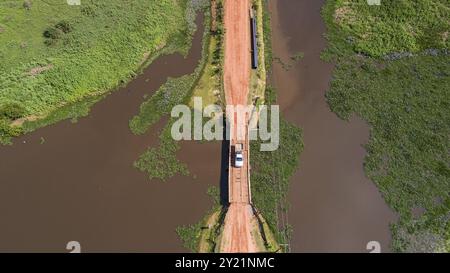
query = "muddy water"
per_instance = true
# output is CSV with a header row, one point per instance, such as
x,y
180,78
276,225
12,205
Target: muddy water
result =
x,y
334,207
80,184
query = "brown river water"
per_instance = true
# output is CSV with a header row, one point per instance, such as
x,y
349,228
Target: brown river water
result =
x,y
80,185
334,207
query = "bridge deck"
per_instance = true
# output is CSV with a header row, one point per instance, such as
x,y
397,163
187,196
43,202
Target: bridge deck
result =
x,y
239,178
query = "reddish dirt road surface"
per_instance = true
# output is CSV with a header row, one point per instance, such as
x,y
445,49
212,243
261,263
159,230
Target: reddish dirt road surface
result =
x,y
237,51
237,235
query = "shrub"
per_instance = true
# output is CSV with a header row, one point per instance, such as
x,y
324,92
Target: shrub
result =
x,y
88,10
53,33
7,131
12,111
64,26
27,4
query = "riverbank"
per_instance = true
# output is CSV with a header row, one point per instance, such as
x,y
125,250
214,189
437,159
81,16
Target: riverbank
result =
x,y
92,160
333,206
161,162
66,59
393,71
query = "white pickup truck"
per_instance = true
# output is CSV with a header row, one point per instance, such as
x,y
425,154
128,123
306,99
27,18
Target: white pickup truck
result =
x,y
239,157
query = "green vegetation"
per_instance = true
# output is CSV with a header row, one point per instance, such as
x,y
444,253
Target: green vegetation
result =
x,y
7,131
258,76
11,111
271,173
210,84
190,235
287,65
174,92
72,111
56,32
54,54
267,30
401,87
203,236
297,57
394,26
267,237
161,162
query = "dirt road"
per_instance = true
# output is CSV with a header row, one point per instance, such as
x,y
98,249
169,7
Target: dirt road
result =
x,y
237,235
237,51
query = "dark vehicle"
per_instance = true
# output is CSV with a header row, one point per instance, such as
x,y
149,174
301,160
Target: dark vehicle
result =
x,y
254,33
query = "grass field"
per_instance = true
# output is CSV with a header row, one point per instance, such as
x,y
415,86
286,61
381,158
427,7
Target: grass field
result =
x,y
53,54
394,73
394,26
210,84
258,76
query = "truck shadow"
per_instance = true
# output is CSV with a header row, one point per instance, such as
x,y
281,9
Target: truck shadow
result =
x,y
224,165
